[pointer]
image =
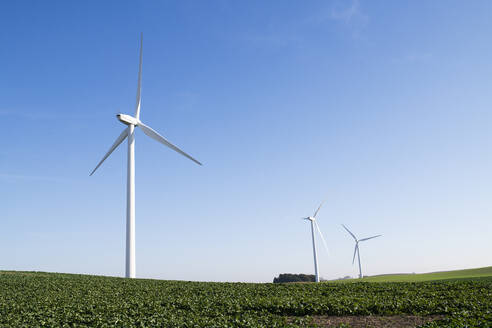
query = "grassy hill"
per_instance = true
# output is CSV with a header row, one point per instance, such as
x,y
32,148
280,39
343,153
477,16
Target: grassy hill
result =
x,y
444,275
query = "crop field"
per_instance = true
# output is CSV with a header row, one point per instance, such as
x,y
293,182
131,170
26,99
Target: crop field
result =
x,y
29,299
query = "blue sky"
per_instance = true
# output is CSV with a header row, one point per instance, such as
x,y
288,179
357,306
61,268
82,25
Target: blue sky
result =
x,y
383,109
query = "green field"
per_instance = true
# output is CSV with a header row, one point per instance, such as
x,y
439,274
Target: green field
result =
x,y
456,274
29,299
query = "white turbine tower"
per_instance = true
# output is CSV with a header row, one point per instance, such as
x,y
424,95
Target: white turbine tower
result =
x,y
314,223
129,133
356,250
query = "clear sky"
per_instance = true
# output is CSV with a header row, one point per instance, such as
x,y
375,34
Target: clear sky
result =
x,y
381,108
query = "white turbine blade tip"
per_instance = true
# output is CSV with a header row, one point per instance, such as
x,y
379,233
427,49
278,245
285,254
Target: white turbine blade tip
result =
x,y
118,141
156,136
364,239
355,252
315,213
353,236
139,84
322,237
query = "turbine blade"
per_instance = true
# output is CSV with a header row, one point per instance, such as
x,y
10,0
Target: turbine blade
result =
x,y
370,237
139,85
322,237
315,213
156,136
118,141
355,252
349,232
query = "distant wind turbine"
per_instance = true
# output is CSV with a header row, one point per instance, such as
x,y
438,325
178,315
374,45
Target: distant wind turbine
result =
x,y
129,133
356,250
315,255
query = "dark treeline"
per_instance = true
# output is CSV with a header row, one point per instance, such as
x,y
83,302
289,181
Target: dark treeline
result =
x,y
293,277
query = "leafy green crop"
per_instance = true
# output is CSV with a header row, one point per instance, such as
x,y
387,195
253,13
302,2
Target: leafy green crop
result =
x,y
62,300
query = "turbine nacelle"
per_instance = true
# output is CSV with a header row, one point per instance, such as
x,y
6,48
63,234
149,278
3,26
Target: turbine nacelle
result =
x,y
127,119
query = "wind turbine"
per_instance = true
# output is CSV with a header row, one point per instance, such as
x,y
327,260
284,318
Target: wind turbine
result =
x,y
356,250
315,255
129,133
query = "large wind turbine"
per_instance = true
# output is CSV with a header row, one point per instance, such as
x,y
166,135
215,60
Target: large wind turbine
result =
x,y
315,255
129,133
356,250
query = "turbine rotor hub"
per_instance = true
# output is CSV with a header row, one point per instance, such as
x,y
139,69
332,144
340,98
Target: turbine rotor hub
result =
x,y
127,119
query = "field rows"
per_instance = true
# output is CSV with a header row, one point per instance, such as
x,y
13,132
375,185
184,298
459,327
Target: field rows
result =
x,y
61,300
